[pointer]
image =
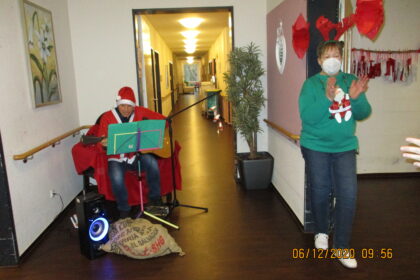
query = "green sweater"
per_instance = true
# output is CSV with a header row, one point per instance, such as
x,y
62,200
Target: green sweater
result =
x,y
320,130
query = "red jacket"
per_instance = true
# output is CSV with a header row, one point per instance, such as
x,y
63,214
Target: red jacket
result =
x,y
85,156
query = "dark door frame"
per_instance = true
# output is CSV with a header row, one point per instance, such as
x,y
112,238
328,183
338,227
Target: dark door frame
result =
x,y
183,10
156,82
171,84
9,254
151,11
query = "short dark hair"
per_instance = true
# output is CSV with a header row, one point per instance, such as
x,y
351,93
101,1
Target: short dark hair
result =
x,y
329,45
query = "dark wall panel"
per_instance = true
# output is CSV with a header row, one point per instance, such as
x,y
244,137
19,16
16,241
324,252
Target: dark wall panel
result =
x,y
317,8
8,246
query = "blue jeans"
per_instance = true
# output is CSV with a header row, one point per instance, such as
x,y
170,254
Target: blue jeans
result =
x,y
117,170
332,174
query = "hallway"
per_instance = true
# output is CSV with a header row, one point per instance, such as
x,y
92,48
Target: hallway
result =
x,y
245,234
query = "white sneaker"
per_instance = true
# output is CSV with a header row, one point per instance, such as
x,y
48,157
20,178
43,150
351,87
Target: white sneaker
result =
x,y
321,241
348,262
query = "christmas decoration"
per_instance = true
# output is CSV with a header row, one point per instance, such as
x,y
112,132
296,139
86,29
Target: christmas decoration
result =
x,y
300,36
395,66
369,17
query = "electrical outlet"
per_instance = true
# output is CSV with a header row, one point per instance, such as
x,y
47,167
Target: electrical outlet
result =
x,y
52,193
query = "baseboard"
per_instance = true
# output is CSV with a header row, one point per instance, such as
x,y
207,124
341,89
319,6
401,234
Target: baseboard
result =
x,y
292,214
389,175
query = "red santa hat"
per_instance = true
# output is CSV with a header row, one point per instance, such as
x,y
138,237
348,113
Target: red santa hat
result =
x,y
126,96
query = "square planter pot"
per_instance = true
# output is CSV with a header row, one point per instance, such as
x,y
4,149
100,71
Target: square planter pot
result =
x,y
255,173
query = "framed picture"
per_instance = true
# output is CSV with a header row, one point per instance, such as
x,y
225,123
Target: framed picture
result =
x,y
41,50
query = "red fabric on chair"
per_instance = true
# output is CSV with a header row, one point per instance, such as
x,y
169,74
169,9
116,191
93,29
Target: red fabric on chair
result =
x,y
86,156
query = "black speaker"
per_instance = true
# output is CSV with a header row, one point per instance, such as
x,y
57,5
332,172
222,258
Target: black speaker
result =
x,y
93,224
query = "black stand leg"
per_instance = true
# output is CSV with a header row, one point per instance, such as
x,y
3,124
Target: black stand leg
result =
x,y
141,200
175,203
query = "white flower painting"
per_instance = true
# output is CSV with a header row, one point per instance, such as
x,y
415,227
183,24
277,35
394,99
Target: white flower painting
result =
x,y
42,55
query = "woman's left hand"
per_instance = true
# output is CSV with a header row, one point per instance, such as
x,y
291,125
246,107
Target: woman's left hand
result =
x,y
412,152
359,86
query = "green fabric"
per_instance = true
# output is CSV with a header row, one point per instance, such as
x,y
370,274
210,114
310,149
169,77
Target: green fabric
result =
x,y
319,131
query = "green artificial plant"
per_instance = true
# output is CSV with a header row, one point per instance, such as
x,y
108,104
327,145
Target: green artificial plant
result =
x,y
246,93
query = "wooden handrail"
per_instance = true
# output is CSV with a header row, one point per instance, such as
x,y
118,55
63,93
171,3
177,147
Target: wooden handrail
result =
x,y
283,131
29,154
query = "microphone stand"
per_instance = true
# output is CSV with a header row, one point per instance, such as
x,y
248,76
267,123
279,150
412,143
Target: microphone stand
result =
x,y
175,202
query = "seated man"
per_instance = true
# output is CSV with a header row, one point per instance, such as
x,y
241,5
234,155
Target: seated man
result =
x,y
118,165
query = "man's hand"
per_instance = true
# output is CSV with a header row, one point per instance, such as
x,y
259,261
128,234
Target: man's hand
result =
x,y
104,142
331,87
412,152
359,86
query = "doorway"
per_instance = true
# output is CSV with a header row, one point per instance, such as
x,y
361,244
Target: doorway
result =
x,y
171,84
157,95
161,56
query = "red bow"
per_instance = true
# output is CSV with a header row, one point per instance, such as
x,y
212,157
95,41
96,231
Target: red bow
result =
x,y
342,26
324,25
369,17
300,36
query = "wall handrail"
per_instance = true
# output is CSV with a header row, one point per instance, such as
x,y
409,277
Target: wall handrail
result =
x,y
291,136
29,154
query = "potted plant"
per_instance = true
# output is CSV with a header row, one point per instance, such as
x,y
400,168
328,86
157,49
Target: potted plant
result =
x,y
246,94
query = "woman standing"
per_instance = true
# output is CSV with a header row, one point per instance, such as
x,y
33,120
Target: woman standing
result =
x,y
330,103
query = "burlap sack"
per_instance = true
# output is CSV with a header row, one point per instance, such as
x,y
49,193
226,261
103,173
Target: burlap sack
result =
x,y
140,239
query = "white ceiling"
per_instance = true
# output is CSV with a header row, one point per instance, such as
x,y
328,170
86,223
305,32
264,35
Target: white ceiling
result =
x,y
169,28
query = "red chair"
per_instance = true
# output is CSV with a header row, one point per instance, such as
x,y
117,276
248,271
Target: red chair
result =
x,y
91,160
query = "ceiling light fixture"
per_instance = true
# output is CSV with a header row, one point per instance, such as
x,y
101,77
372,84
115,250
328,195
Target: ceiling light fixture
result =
x,y
190,34
190,41
190,50
190,46
190,59
191,22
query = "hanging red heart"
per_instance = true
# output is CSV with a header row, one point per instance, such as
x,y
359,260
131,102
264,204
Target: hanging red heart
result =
x,y
324,25
300,36
369,17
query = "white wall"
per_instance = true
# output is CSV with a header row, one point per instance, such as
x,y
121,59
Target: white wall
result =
x,y
103,46
395,106
288,172
23,127
271,4
289,167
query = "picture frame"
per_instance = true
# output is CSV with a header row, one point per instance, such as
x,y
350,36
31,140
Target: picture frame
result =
x,y
41,53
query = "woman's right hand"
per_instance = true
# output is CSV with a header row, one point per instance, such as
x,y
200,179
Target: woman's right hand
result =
x,y
412,152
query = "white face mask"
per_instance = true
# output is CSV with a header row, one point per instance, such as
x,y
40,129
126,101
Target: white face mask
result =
x,y
331,65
